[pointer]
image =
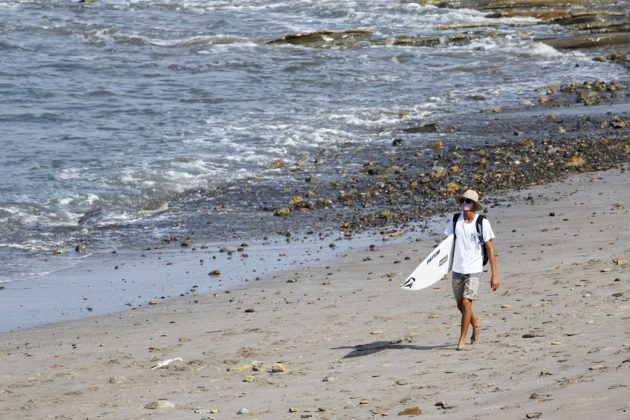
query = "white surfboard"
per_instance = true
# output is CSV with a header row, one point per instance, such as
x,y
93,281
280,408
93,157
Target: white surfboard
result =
x,y
433,268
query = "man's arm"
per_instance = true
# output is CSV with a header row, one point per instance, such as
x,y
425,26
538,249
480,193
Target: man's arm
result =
x,y
494,280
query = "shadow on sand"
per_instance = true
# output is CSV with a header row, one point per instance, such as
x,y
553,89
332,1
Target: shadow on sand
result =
x,y
375,347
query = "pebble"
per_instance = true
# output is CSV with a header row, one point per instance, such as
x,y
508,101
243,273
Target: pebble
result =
x,y
162,404
412,411
505,306
242,368
329,379
556,343
278,368
534,396
438,145
533,415
243,411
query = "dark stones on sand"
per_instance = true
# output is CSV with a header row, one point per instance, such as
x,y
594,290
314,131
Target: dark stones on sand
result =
x,y
296,201
277,164
588,98
282,212
423,128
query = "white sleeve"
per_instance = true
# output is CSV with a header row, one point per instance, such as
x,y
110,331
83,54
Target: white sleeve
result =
x,y
488,234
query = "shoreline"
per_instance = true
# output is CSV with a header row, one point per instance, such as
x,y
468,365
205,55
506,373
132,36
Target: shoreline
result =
x,y
354,345
129,280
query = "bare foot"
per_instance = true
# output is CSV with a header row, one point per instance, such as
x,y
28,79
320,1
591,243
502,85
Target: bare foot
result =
x,y
475,334
461,346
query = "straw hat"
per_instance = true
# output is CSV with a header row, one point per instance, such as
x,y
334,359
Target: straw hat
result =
x,y
472,196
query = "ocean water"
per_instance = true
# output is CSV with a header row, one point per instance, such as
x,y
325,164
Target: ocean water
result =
x,y
112,108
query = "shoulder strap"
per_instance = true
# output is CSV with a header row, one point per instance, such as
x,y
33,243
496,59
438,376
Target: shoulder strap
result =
x,y
479,227
455,217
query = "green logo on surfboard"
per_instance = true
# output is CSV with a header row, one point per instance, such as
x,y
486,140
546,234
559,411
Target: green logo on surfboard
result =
x,y
443,260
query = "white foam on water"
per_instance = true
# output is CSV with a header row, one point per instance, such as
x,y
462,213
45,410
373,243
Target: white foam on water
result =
x,y
15,246
201,40
114,218
26,215
509,47
150,212
72,173
196,166
76,200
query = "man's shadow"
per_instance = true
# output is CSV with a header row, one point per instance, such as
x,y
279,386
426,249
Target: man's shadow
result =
x,y
375,347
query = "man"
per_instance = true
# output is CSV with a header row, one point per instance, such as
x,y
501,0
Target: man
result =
x,y
468,262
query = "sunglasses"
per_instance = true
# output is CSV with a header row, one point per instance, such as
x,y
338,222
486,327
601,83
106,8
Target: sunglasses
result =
x,y
465,200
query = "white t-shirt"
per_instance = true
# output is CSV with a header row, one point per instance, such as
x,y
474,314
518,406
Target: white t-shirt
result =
x,y
467,258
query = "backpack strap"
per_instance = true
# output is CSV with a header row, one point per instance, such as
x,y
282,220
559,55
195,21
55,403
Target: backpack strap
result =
x,y
479,227
484,251
455,217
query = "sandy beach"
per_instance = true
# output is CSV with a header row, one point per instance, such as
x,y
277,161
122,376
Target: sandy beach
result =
x,y
342,341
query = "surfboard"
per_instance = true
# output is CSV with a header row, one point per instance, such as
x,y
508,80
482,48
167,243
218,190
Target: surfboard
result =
x,y
433,268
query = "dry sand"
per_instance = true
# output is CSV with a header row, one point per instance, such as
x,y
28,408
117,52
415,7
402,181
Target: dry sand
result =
x,y
554,341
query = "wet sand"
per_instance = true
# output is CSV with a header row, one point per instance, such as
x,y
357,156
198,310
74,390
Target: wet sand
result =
x,y
553,341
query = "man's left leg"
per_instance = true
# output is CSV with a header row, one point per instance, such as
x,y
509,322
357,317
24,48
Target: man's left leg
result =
x,y
465,307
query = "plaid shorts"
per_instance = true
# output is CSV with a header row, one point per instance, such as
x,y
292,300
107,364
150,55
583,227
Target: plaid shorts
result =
x,y
465,285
